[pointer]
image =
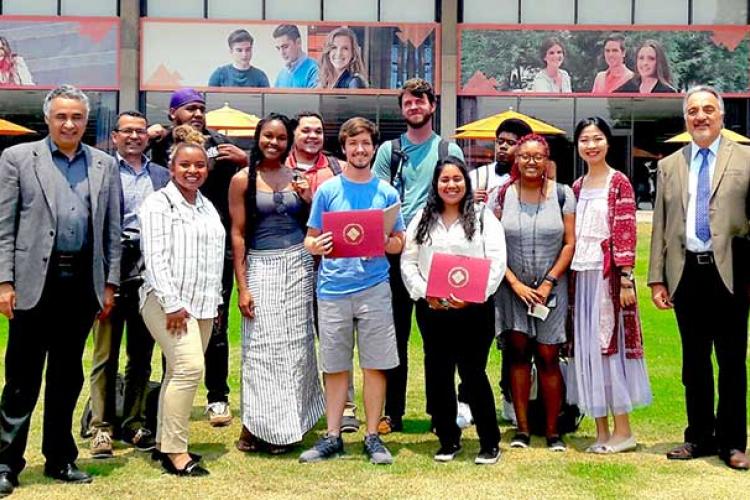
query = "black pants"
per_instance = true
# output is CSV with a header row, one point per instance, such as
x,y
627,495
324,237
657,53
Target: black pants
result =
x,y
56,330
709,316
217,351
403,307
139,348
459,338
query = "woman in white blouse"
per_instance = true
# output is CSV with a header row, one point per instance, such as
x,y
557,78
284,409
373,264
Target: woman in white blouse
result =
x,y
455,334
182,240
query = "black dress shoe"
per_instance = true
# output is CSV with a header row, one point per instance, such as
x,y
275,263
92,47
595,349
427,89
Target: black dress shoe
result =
x,y
8,481
67,472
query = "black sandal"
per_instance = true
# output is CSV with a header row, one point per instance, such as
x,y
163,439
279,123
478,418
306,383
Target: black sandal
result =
x,y
520,440
157,455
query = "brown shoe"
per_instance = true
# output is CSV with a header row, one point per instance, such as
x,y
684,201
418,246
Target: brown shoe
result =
x,y
101,444
247,443
689,451
736,459
386,425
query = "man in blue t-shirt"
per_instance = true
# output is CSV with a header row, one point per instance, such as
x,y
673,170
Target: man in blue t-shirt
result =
x,y
299,71
420,147
240,73
354,293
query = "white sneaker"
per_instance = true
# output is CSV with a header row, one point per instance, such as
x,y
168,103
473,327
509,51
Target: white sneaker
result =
x,y
464,417
219,414
509,413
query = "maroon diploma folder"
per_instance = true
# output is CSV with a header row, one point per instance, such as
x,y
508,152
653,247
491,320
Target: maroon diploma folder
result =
x,y
464,277
356,233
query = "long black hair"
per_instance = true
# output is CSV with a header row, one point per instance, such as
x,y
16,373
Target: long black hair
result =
x,y
599,123
435,206
256,157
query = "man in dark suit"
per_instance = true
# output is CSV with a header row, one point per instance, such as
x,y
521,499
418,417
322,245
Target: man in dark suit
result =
x,y
59,264
699,226
187,106
139,178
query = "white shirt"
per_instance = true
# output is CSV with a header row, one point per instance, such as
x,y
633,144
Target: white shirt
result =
x,y
488,243
486,177
183,249
692,242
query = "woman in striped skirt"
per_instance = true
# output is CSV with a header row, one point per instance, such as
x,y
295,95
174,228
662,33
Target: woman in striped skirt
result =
x,y
281,393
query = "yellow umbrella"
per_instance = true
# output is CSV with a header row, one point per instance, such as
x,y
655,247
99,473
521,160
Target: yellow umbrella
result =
x,y
729,134
10,128
225,119
485,127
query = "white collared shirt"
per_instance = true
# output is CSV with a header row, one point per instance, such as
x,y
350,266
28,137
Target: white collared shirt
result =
x,y
485,177
488,243
183,249
692,243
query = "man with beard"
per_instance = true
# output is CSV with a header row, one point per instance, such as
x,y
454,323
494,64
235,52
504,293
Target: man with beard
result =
x,y
354,293
139,177
408,163
188,106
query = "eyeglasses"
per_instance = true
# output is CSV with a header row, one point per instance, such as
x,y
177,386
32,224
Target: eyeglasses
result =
x,y
131,131
525,157
278,201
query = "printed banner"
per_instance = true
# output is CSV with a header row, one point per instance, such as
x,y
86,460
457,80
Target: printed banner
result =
x,y
44,52
601,60
261,56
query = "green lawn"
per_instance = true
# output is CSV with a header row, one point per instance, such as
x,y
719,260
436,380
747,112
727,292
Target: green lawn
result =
x,y
526,473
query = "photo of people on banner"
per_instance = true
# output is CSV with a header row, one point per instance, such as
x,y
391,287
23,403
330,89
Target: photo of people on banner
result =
x,y
261,55
569,60
45,52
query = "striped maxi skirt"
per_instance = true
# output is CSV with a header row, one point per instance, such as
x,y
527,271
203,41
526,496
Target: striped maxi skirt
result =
x,y
281,393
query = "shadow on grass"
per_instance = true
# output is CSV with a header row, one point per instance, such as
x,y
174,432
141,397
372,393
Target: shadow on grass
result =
x,y
96,468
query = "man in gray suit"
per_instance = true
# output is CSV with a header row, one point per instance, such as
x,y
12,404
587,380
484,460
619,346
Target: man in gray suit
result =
x,y
59,263
698,266
139,177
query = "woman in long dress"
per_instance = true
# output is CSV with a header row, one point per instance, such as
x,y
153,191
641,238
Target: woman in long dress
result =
x,y
281,394
610,372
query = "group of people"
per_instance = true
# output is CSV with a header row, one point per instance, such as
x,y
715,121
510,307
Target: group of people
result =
x,y
341,64
81,225
651,75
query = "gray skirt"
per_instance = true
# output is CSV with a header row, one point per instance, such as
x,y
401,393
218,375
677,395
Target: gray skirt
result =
x,y
281,393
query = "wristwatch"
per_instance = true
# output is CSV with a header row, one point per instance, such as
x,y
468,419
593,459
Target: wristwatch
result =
x,y
551,279
627,275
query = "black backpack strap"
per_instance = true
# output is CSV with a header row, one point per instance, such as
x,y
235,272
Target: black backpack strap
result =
x,y
443,150
560,195
333,164
397,158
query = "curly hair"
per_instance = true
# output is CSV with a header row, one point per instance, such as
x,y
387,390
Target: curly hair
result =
x,y
435,206
515,172
185,136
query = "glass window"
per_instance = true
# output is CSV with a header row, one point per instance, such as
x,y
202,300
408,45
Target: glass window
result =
x,y
604,11
720,12
290,104
350,10
157,107
491,11
31,7
89,8
548,11
336,109
414,11
170,8
235,9
300,10
661,12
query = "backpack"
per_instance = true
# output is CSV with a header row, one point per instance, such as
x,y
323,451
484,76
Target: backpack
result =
x,y
151,403
570,416
333,164
398,158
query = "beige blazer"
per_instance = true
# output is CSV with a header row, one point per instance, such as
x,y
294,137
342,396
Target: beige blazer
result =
x,y
727,212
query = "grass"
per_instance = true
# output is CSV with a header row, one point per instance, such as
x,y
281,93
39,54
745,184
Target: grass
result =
x,y
534,473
